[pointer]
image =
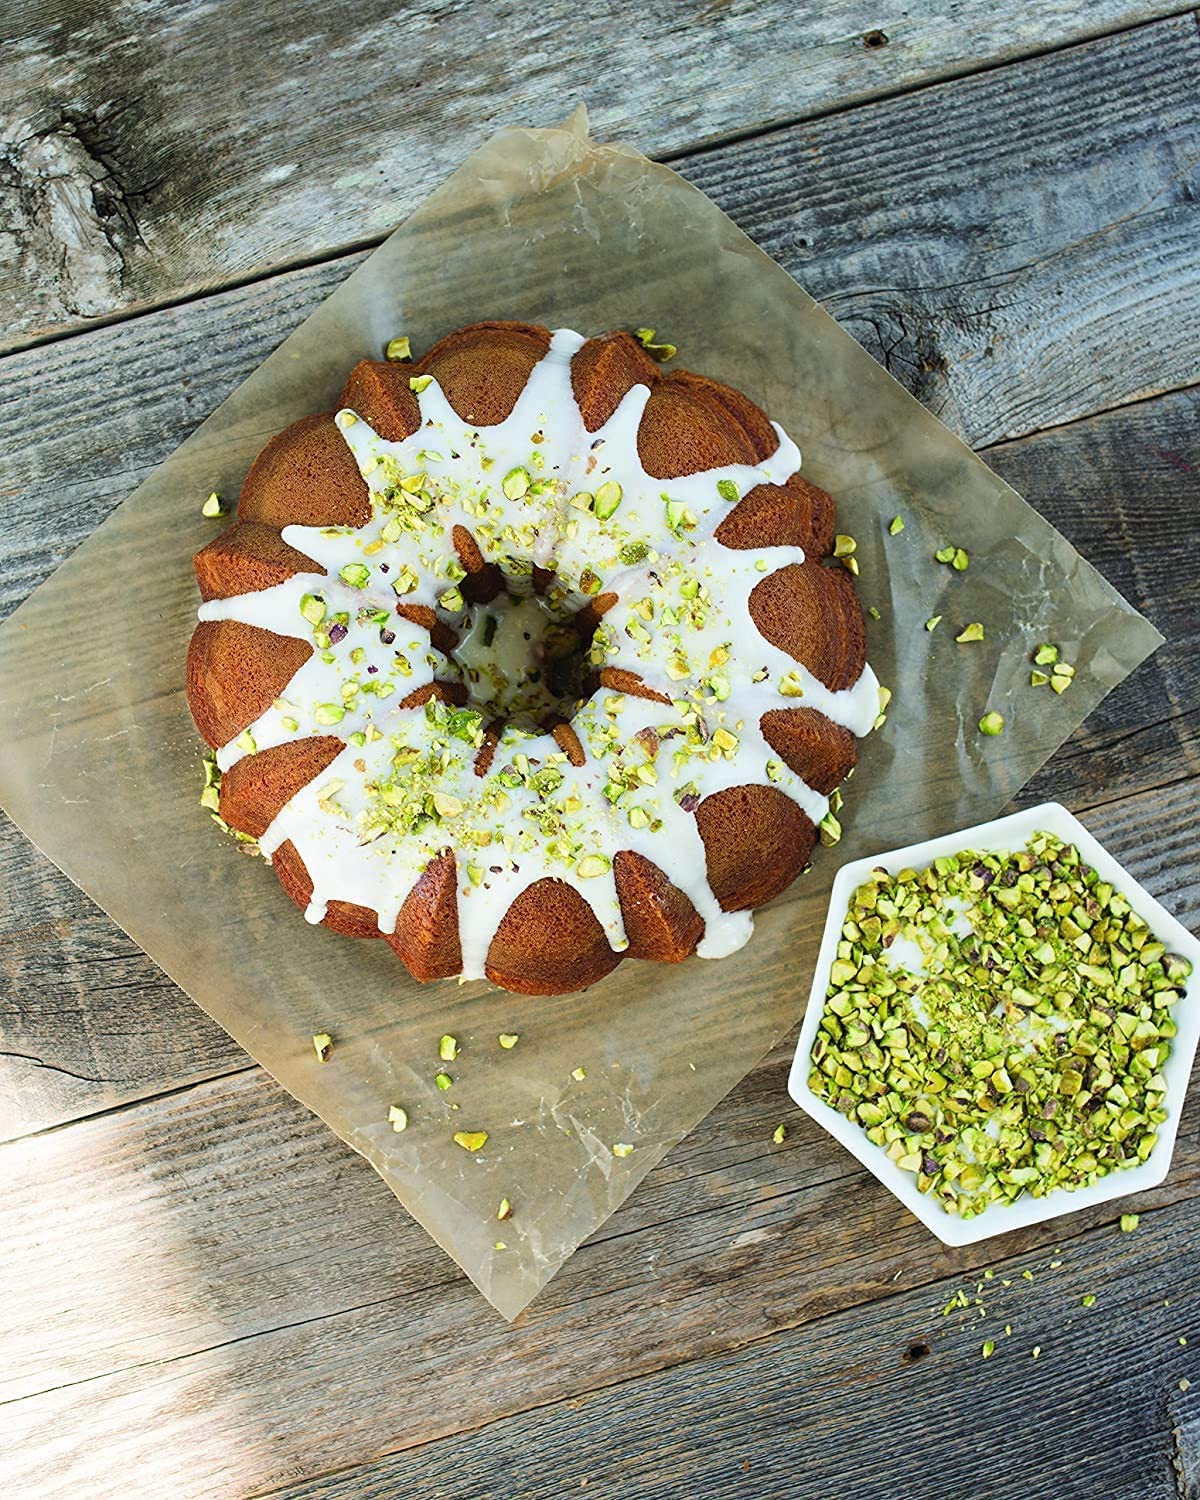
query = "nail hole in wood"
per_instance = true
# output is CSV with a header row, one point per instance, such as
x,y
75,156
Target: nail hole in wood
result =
x,y
875,39
915,1352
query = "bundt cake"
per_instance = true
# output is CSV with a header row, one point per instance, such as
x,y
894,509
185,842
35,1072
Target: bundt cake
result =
x,y
526,659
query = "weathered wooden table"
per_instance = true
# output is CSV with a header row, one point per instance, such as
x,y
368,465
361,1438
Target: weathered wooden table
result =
x,y
206,1294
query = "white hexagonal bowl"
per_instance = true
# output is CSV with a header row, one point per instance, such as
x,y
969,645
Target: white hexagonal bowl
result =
x,y
999,836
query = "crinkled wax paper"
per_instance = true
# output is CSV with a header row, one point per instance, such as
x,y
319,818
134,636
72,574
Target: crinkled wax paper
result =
x,y
100,765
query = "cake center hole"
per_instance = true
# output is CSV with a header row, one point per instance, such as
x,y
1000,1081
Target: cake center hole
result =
x,y
521,660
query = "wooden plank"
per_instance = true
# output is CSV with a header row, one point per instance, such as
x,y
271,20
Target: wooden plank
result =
x,y
887,1399
151,155
1124,488
225,1274
1019,248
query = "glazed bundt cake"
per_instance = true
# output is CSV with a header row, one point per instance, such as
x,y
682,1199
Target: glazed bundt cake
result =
x,y
527,661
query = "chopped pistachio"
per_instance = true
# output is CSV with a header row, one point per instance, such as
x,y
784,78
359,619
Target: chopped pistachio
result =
x,y
1038,679
607,500
896,526
1129,1222
944,555
398,350
778,1134
987,1348
447,1048
500,1245
471,1140
578,1074
508,1040
210,798
727,490
592,865
1045,655
1036,1350
515,483
418,383
1088,1301
397,1117
323,1046
622,1149
844,545
443,1081
1060,681
245,741
505,1210
960,560
312,607
851,565
660,352
1019,1059
329,713
830,830
873,612
355,574
972,632
933,622
212,507
992,724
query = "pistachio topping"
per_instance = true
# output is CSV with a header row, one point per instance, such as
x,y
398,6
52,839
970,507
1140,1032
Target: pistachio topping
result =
x,y
660,352
508,1040
992,724
505,1210
398,350
212,507
443,1081
933,622
622,1148
972,632
419,383
448,1048
578,1074
397,1118
778,1135
516,483
471,1140
895,525
843,545
1024,1052
322,1046
1129,1222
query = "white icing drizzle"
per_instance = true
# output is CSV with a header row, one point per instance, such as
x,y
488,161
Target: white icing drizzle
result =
x,y
534,490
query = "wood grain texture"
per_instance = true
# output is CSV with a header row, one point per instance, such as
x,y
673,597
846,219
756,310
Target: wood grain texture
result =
x,y
887,1399
214,1264
996,241
151,150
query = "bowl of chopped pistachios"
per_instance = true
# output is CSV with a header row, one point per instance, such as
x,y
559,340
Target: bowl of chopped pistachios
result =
x,y
1002,1025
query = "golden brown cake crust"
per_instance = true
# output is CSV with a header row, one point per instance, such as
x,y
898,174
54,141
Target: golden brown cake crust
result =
x,y
756,838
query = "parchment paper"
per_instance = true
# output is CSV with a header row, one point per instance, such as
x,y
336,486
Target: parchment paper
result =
x,y
100,765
